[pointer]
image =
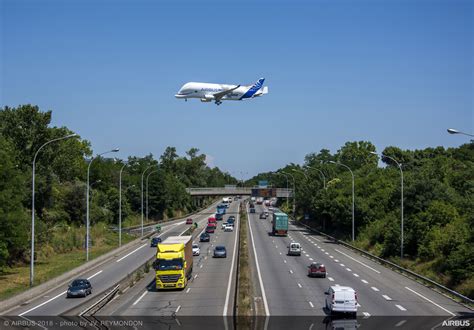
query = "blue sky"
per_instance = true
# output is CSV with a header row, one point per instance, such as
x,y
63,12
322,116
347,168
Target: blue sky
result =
x,y
390,72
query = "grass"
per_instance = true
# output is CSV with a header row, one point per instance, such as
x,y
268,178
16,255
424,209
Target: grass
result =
x,y
53,261
245,294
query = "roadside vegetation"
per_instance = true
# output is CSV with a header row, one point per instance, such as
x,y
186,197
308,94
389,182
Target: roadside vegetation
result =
x,y
438,205
60,203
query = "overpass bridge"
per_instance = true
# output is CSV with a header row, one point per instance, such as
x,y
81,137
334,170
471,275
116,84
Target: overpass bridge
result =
x,y
244,191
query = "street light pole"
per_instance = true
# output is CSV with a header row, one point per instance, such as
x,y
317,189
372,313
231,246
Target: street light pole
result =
x,y
353,197
294,194
87,199
148,175
288,194
120,204
143,174
401,189
32,261
322,174
455,131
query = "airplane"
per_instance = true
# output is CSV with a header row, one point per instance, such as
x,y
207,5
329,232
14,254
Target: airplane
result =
x,y
218,92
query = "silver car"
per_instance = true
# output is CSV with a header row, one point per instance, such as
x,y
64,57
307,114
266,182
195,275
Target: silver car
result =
x,y
220,252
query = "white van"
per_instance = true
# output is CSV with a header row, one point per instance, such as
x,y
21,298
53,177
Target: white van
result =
x,y
294,249
341,299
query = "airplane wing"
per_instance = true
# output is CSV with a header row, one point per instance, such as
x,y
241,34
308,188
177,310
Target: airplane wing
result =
x,y
220,95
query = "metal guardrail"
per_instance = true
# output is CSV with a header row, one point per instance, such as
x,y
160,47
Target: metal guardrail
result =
x,y
100,303
393,265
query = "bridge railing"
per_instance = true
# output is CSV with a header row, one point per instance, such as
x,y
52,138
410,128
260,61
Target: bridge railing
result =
x,y
222,191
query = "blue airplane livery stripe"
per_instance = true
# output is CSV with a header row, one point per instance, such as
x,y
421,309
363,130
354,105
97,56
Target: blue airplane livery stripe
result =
x,y
251,92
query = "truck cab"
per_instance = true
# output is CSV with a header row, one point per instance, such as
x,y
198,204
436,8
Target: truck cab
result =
x,y
174,262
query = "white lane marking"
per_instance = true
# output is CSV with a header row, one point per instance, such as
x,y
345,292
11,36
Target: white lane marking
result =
x,y
140,298
331,257
402,322
366,314
349,270
187,291
291,272
317,239
200,266
331,279
356,275
177,309
401,308
195,276
322,250
311,304
430,301
311,259
364,281
360,262
336,284
342,265
132,252
280,253
284,261
386,297
307,255
375,289
335,260
47,301
326,253
299,285
267,312
100,271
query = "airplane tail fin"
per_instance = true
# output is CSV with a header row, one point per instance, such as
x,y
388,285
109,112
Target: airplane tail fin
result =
x,y
254,89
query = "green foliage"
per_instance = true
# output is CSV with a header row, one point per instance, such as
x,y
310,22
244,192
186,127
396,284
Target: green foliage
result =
x,y
61,168
438,204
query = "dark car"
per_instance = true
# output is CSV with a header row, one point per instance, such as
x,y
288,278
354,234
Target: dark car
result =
x,y
252,210
263,215
219,216
220,252
232,217
231,220
205,237
79,288
210,229
189,221
316,269
154,241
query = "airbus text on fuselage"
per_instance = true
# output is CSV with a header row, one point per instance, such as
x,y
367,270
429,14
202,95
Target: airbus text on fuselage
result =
x,y
207,92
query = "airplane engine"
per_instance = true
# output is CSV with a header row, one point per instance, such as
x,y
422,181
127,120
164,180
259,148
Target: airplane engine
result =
x,y
207,98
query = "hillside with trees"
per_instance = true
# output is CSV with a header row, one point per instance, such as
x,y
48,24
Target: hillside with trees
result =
x,y
438,205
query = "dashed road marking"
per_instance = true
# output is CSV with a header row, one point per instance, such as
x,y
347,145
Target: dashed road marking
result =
x,y
326,253
349,270
356,275
177,309
322,250
386,297
331,279
401,308
311,259
100,271
375,289
187,291
311,304
331,257
299,285
358,261
402,322
291,272
335,260
140,298
342,265
364,281
366,314
284,261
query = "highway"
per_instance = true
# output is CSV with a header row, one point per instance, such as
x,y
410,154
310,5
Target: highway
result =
x,y
289,291
210,292
102,277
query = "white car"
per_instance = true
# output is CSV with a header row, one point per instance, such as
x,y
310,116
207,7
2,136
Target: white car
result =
x,y
196,250
224,224
229,228
341,299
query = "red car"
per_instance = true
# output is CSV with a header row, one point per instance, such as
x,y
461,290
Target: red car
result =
x,y
210,229
316,270
189,221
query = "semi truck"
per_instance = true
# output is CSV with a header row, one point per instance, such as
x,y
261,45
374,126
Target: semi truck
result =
x,y
279,224
174,262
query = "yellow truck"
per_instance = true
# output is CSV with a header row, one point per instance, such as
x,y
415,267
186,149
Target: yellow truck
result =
x,y
174,262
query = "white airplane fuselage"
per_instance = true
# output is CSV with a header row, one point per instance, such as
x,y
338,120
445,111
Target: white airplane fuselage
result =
x,y
208,92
